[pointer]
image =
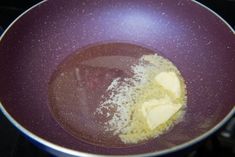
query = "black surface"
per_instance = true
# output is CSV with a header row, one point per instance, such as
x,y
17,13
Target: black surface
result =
x,y
10,9
13,144
225,8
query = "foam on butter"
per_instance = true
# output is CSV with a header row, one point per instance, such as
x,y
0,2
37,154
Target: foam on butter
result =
x,y
147,104
158,111
169,81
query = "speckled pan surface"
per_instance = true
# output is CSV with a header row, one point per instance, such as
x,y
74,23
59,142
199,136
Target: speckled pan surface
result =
x,y
200,44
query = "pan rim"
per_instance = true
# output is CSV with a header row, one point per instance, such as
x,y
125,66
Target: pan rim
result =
x,y
79,153
216,14
71,152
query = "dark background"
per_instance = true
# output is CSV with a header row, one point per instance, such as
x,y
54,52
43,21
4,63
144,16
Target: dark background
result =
x,y
12,144
224,8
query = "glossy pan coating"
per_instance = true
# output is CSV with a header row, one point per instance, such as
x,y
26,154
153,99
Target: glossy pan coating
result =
x,y
197,41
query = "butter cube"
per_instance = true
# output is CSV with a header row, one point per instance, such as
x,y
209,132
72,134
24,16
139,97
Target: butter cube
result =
x,y
158,111
170,82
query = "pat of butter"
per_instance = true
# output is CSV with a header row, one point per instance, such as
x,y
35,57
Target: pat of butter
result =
x,y
170,82
158,111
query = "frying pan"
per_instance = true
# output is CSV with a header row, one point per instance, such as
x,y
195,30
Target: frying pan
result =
x,y
194,38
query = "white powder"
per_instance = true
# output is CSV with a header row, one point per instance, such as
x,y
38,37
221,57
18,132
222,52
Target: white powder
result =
x,y
121,98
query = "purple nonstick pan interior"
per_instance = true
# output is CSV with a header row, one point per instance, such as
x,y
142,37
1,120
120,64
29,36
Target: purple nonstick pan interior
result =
x,y
198,42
